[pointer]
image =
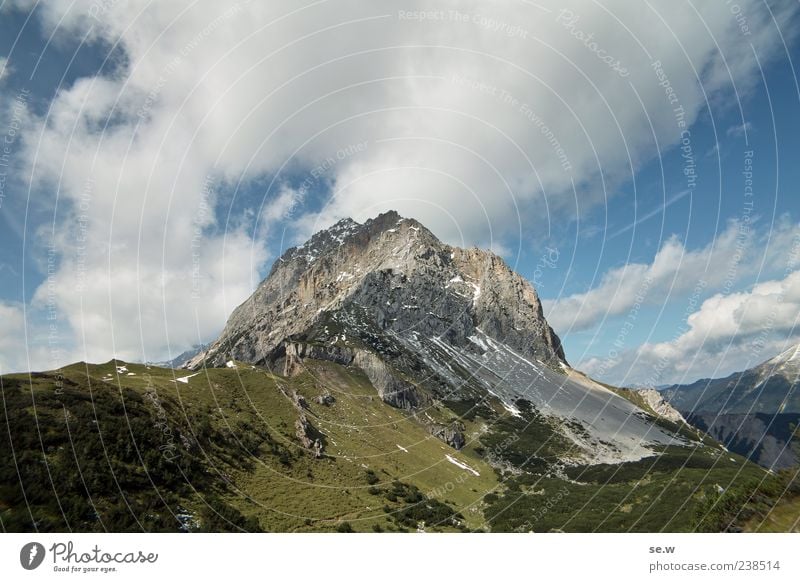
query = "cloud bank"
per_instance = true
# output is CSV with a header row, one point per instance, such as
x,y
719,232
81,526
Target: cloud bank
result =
x,y
729,333
481,119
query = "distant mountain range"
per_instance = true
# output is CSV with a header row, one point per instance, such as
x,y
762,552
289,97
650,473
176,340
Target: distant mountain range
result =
x,y
183,358
377,380
755,412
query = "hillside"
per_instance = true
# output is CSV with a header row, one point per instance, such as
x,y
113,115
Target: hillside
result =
x,y
221,450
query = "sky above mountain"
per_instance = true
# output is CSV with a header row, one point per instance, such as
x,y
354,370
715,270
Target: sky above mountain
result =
x,y
637,162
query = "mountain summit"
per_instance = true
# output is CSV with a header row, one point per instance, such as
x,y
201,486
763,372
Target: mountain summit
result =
x,y
395,274
429,323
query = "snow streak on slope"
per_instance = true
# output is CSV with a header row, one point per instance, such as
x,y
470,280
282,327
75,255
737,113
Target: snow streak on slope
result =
x,y
615,429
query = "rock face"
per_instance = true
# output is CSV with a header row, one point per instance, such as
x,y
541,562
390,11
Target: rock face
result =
x,y
293,353
391,388
660,406
325,399
402,278
452,434
308,436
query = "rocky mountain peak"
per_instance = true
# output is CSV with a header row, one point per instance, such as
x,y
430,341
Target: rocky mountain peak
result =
x,y
396,277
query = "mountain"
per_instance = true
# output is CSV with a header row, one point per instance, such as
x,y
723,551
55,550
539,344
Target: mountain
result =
x,y
377,380
180,360
392,273
429,323
755,412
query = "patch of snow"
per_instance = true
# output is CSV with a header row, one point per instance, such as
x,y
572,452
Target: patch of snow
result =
x,y
131,374
405,450
121,369
464,466
185,379
478,342
513,410
509,407
229,364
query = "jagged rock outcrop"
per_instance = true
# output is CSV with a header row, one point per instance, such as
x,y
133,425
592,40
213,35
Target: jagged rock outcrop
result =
x,y
452,434
655,400
299,401
325,399
294,353
391,388
308,436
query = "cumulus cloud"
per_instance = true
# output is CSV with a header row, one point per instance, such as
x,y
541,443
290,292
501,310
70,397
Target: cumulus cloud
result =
x,y
481,119
727,333
740,251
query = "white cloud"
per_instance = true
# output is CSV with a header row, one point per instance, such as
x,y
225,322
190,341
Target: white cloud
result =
x,y
13,330
727,333
28,345
742,250
467,125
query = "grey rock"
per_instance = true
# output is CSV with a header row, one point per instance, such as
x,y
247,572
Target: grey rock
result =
x,y
308,436
294,354
660,406
391,388
325,399
452,434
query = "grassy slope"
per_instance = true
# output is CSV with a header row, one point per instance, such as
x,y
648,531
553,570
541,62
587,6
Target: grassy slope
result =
x,y
238,465
245,453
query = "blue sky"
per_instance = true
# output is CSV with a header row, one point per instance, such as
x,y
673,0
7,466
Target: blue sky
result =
x,y
169,156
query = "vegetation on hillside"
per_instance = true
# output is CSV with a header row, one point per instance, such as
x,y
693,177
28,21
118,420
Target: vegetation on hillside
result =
x,y
123,447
